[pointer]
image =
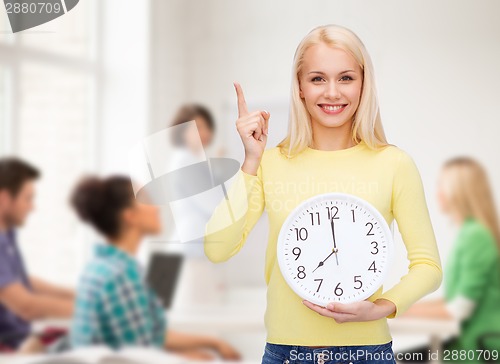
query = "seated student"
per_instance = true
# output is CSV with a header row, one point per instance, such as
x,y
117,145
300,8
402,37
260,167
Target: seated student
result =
x,y
472,274
114,306
22,298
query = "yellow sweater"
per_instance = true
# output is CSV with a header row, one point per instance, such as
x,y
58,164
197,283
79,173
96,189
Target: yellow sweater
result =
x,y
388,179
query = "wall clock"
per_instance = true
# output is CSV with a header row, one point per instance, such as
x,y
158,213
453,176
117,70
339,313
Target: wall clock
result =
x,y
334,247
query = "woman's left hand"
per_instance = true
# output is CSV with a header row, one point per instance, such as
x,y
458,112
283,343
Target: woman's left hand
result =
x,y
357,311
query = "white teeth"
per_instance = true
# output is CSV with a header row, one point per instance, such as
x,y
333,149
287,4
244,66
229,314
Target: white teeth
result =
x,y
332,108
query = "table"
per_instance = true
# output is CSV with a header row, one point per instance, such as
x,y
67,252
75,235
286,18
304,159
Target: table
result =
x,y
241,317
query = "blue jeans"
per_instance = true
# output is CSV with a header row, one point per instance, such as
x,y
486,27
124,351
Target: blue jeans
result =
x,y
293,354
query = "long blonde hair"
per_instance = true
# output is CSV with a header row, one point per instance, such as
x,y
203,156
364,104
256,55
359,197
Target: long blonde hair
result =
x,y
366,126
467,190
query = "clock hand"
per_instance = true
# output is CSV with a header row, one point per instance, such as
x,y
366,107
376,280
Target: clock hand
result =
x,y
333,233
334,242
323,262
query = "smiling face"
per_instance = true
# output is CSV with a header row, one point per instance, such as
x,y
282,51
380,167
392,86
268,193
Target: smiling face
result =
x,y
330,85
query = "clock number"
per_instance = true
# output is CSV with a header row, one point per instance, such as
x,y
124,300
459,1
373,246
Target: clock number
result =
x,y
329,209
321,281
301,233
372,267
312,217
338,291
371,228
353,218
301,272
375,247
295,253
357,280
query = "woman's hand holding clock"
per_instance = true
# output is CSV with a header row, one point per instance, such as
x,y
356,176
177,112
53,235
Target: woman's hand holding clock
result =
x,y
357,311
253,128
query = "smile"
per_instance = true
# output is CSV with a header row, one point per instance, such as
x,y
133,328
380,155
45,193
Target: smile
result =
x,y
332,109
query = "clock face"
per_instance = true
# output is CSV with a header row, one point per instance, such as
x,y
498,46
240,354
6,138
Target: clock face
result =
x,y
334,247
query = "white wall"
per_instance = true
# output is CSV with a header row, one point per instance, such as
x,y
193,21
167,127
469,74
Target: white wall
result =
x,y
435,64
125,57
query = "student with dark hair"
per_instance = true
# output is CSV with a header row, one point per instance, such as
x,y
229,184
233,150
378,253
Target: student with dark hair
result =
x,y
22,298
203,118
114,305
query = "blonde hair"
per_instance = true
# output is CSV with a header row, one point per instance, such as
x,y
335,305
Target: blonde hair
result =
x,y
468,192
366,126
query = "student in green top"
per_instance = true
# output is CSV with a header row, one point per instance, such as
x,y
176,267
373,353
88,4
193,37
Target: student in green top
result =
x,y
472,273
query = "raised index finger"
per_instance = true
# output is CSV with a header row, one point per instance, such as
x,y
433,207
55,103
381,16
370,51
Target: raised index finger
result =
x,y
242,104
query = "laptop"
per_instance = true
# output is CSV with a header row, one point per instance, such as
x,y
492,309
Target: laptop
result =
x,y
163,274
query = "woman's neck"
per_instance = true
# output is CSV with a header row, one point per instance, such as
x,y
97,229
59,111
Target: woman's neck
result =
x,y
128,242
332,138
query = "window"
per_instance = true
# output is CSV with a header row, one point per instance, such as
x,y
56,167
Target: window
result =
x,y
48,90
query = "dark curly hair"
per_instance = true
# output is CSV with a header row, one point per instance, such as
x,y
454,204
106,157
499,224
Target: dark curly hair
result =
x,y
99,201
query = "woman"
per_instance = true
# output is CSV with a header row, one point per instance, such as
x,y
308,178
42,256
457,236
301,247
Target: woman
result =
x,y
335,143
193,130
472,273
114,306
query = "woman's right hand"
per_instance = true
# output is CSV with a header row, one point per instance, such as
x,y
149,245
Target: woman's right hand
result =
x,y
253,128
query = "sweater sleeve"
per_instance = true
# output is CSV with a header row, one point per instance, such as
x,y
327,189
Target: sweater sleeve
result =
x,y
410,210
234,217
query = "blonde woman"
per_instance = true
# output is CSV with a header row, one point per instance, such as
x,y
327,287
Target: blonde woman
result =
x,y
472,272
335,143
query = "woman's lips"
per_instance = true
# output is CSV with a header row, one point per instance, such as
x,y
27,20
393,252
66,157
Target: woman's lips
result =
x,y
332,109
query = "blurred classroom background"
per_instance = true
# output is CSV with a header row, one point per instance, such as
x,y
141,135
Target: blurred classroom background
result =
x,y
78,92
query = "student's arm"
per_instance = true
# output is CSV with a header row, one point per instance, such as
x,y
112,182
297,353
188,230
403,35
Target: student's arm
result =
x,y
232,220
31,306
43,287
178,341
410,210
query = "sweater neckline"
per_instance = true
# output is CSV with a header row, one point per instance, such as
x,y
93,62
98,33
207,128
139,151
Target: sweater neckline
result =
x,y
339,152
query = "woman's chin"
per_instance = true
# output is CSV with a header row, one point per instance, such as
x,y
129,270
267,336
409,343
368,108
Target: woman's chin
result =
x,y
332,123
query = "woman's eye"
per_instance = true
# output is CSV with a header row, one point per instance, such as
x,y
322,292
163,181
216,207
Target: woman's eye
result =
x,y
346,78
317,78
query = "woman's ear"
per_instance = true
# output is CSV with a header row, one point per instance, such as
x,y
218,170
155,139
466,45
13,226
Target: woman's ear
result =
x,y
301,94
128,216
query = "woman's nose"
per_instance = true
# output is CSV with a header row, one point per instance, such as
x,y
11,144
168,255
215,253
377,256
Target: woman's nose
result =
x,y
332,91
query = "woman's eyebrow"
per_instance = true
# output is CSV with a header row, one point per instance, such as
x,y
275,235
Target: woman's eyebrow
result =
x,y
340,73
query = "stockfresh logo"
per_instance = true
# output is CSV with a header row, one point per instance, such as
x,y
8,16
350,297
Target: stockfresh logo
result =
x,y
26,14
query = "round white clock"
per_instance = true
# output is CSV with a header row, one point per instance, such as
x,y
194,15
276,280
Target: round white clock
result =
x,y
334,247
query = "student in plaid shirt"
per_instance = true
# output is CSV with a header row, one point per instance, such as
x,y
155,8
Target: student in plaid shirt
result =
x,y
114,306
